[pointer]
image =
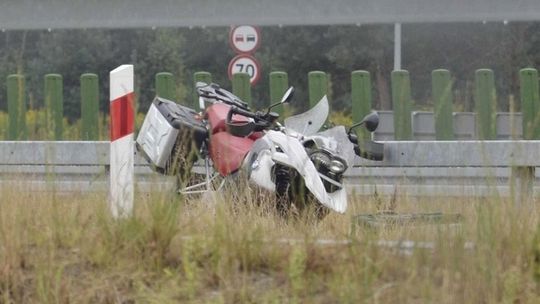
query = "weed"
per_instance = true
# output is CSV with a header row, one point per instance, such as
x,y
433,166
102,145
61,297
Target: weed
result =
x,y
57,248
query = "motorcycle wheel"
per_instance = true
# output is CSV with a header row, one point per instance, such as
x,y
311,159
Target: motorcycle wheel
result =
x,y
293,198
283,190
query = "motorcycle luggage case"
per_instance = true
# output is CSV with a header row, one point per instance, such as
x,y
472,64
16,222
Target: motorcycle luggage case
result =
x,y
170,137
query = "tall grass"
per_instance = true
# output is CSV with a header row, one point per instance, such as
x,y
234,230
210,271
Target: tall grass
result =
x,y
57,248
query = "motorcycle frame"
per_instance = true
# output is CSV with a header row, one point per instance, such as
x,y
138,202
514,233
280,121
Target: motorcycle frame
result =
x,y
210,176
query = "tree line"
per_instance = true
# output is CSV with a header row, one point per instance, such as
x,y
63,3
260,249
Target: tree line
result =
x,y
338,50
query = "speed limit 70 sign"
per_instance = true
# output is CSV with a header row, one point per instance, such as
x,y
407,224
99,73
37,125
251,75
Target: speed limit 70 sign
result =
x,y
245,64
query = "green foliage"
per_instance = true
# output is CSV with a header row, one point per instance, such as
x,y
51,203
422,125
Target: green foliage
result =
x,y
296,272
462,48
339,118
36,124
3,125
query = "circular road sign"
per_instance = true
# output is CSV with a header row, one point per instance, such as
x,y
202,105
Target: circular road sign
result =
x,y
245,38
245,64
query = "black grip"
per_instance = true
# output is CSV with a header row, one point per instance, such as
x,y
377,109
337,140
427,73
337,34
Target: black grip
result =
x,y
370,150
239,111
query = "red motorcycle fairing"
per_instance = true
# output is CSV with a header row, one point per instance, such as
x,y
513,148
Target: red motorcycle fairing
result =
x,y
228,151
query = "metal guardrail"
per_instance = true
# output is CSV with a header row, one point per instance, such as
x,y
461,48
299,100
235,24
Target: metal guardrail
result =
x,y
509,125
414,167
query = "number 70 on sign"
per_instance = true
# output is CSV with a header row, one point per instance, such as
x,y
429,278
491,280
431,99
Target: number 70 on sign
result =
x,y
245,64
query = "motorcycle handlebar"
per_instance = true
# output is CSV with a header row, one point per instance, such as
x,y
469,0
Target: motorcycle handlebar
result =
x,y
241,129
240,111
213,91
260,122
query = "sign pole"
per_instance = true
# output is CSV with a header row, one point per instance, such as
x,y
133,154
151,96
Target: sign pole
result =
x,y
397,46
122,146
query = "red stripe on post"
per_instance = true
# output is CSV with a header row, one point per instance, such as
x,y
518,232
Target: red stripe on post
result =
x,y
122,117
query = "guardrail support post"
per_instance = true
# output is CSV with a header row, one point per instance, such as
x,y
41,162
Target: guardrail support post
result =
x,y
530,103
523,177
361,99
442,99
16,97
485,99
242,87
165,86
522,186
402,105
318,87
279,83
199,77
54,100
89,107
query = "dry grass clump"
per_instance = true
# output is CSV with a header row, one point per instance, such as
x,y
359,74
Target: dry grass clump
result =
x,y
233,248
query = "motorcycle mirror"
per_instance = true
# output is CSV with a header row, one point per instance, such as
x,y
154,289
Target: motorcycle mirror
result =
x,y
288,95
370,121
353,138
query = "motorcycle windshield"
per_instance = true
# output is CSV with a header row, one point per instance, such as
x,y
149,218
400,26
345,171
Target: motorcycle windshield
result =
x,y
311,121
338,141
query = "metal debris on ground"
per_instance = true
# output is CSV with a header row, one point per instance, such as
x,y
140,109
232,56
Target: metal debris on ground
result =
x,y
386,219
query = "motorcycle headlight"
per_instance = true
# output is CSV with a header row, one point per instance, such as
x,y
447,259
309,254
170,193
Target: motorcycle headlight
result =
x,y
324,159
320,158
337,166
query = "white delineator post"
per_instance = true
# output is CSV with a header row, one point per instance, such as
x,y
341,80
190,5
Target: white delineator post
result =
x,y
122,151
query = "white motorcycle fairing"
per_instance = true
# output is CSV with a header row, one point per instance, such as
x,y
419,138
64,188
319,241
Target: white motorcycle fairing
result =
x,y
311,121
294,156
258,164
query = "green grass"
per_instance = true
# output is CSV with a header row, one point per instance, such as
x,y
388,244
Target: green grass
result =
x,y
58,248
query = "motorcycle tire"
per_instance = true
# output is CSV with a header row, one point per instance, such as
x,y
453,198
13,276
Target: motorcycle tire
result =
x,y
283,191
293,198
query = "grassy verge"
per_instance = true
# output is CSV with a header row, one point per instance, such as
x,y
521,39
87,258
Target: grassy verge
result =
x,y
66,249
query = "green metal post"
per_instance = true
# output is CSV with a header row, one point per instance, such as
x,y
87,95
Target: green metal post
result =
x,y
16,98
242,87
199,77
441,84
523,177
89,107
402,105
165,86
361,99
486,104
54,99
279,83
318,86
530,103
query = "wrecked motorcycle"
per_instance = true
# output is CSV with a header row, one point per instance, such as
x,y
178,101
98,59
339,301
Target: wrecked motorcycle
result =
x,y
301,165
